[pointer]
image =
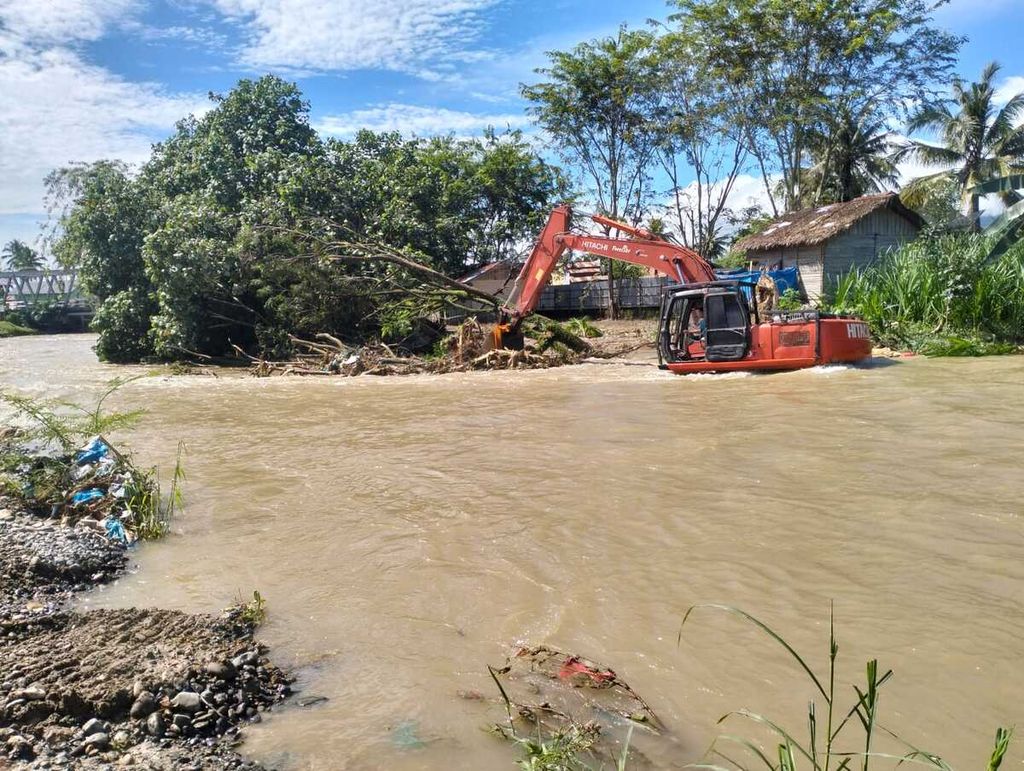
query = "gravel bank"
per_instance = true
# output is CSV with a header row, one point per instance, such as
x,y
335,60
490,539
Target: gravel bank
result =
x,y
148,688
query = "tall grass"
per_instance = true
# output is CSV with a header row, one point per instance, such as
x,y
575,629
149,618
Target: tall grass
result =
x,y
839,736
939,295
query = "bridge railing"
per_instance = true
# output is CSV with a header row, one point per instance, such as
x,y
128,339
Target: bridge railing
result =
x,y
37,287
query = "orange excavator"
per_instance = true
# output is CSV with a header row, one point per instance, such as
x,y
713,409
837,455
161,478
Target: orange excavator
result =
x,y
707,324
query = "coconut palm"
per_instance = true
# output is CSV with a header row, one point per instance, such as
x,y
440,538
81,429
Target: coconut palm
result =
x,y
21,256
978,142
1008,227
852,158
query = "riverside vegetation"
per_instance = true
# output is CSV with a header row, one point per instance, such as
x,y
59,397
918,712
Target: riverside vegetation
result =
x,y
245,229
942,295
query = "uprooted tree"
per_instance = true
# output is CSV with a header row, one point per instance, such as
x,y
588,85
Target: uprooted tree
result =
x,y
218,239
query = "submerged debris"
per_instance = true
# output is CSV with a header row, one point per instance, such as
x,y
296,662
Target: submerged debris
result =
x,y
468,348
553,696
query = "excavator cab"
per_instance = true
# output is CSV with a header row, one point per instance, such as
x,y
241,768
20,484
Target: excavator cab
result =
x,y
709,322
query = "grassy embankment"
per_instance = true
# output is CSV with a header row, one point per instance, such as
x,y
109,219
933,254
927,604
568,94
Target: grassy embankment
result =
x,y
939,296
10,329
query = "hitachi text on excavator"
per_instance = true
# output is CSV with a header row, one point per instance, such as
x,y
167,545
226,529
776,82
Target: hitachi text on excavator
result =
x,y
707,324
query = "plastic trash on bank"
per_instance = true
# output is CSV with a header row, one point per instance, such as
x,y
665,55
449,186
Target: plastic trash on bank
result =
x,y
84,496
115,530
93,451
100,489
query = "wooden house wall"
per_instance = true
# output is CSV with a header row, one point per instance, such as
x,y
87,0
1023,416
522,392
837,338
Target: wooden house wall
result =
x,y
869,238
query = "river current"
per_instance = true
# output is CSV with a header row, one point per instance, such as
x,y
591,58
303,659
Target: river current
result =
x,y
406,532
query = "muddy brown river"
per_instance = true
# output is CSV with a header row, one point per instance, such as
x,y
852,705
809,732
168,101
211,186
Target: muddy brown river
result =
x,y
408,531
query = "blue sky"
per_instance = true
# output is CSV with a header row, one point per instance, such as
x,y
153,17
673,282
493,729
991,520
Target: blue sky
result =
x,y
87,79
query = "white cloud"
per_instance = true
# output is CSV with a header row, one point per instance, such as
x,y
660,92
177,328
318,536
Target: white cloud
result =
x,y
56,108
59,21
422,121
425,37
749,190
195,36
1008,89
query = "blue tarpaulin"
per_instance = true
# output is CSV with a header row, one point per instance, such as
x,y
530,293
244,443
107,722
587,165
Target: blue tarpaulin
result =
x,y
785,278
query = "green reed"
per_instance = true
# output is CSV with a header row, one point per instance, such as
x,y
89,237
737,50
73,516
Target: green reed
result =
x,y
938,295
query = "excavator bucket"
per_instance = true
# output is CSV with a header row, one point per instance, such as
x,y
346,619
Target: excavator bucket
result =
x,y
501,336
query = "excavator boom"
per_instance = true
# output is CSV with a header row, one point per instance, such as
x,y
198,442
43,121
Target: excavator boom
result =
x,y
676,262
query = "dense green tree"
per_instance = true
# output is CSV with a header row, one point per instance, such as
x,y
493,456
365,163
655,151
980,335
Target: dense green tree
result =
x,y
597,103
220,239
798,65
105,218
20,256
979,142
853,157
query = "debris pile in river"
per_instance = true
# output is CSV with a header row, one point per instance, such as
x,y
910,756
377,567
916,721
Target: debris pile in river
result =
x,y
468,347
556,696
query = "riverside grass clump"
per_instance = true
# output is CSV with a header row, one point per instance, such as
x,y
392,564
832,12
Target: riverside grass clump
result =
x,y
10,329
839,736
38,464
940,296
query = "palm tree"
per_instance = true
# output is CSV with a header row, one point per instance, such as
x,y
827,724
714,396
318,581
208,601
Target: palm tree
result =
x,y
1008,227
978,143
21,256
852,158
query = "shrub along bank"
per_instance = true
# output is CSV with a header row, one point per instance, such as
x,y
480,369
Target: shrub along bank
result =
x,y
10,329
940,296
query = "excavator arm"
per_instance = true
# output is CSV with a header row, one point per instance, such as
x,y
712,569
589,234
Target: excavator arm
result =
x,y
644,248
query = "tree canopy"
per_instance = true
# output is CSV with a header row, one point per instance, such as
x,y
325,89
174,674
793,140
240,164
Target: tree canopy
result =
x,y
214,242
799,67
978,142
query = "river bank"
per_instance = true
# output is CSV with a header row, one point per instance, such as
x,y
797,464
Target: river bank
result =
x,y
9,329
158,689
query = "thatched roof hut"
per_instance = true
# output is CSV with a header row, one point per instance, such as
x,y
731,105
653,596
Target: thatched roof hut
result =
x,y
829,240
